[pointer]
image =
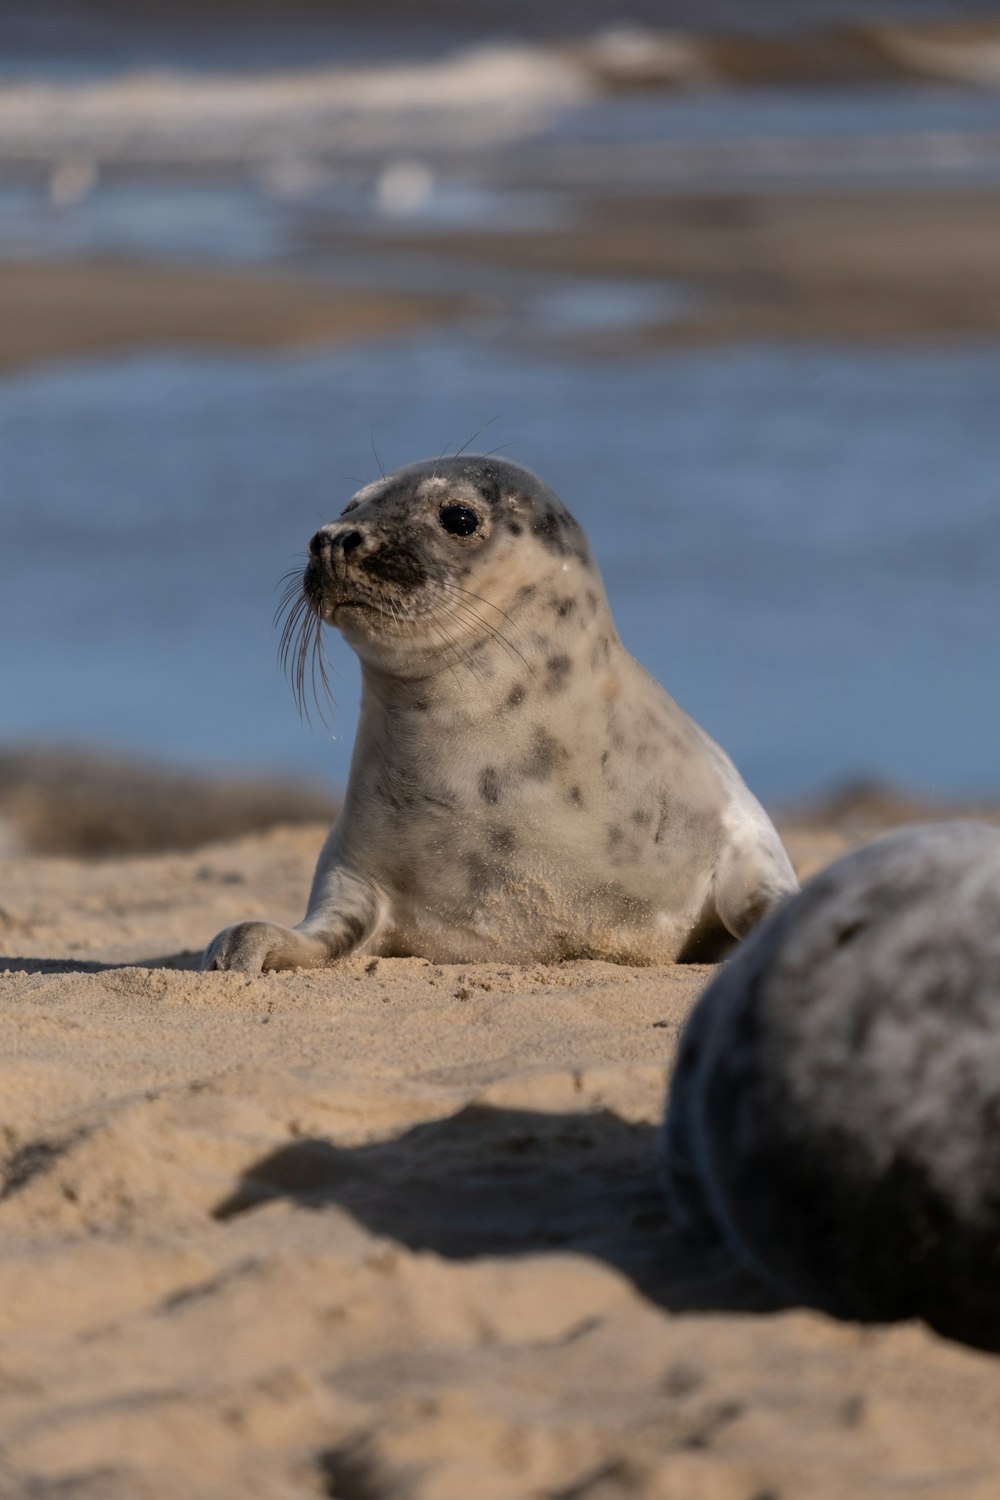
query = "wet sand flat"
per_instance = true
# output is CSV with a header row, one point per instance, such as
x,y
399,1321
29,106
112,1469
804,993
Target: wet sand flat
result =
x,y
843,265
85,308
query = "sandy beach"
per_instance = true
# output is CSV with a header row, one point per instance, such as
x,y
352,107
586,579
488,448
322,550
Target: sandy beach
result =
x,y
391,1229
87,308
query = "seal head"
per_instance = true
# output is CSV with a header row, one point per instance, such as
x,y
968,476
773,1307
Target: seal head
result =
x,y
413,558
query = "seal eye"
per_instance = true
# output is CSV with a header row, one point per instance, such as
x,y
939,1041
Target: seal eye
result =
x,y
458,520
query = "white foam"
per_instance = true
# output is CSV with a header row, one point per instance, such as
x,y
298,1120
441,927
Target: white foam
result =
x,y
488,93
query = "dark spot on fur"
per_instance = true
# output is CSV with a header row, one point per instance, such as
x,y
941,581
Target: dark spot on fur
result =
x,y
848,933
515,528
442,797
525,592
558,669
480,875
575,796
501,838
548,527
352,505
516,695
619,904
605,757
592,600
615,836
642,817
396,564
601,651
488,485
394,792
354,929
490,784
546,754
481,662
564,607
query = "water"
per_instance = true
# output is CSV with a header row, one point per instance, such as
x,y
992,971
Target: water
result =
x,y
803,545
64,39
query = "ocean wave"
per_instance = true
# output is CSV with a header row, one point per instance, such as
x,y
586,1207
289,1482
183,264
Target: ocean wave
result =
x,y
488,94
476,98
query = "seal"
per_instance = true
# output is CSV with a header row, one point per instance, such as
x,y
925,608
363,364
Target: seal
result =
x,y
832,1118
520,788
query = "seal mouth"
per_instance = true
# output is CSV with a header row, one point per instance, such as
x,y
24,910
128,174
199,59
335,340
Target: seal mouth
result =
x,y
316,597
328,592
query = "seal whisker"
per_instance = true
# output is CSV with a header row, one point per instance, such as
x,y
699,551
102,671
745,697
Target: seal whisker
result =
x,y
319,668
482,599
492,630
293,591
464,657
459,656
300,653
459,451
468,615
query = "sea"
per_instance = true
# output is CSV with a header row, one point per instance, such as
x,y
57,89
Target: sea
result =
x,y
801,543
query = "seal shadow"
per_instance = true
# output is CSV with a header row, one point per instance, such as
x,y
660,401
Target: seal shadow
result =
x,y
186,959
492,1181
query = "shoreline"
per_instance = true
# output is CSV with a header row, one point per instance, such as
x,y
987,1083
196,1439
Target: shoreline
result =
x,y
837,266
92,308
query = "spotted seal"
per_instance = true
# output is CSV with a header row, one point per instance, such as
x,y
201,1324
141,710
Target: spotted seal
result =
x,y
833,1113
520,788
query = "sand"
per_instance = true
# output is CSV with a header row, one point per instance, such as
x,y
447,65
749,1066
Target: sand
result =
x,y
860,265
391,1230
844,265
82,308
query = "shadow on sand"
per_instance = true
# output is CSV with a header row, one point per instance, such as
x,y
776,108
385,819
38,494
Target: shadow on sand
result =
x,y
490,1181
188,959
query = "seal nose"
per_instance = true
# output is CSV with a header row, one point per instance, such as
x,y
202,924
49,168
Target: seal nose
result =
x,y
323,543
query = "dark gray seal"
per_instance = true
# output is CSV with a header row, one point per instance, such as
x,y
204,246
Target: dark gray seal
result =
x,y
520,788
834,1115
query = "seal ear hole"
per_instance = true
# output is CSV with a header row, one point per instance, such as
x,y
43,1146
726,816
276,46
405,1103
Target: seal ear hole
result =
x,y
458,520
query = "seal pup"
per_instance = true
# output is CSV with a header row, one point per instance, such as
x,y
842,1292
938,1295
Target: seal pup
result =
x,y
834,1114
520,789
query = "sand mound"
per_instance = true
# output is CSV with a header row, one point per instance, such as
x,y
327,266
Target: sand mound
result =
x,y
389,1230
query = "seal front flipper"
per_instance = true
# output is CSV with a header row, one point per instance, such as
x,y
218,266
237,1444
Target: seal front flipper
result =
x,y
345,912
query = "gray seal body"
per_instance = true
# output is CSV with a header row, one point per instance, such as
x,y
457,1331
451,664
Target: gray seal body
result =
x,y
520,788
834,1114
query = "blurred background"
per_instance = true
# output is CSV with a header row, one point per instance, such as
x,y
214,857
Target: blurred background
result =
x,y
725,272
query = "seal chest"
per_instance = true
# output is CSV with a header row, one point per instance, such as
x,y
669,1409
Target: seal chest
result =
x,y
520,788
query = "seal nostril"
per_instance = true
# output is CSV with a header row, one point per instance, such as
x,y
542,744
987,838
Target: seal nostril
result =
x,y
317,543
351,540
